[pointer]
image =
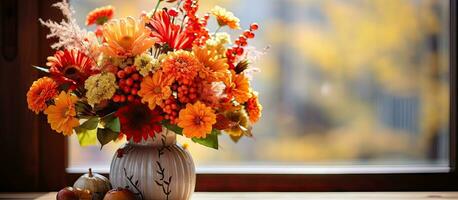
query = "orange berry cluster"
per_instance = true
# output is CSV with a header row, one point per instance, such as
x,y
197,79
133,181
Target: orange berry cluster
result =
x,y
240,43
171,108
129,84
186,93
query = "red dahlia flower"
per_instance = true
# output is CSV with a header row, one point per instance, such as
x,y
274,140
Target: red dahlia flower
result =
x,y
139,122
71,66
168,33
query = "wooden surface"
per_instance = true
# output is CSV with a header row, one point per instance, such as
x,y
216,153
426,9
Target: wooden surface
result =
x,y
285,195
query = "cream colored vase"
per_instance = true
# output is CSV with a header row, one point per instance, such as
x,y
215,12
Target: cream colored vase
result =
x,y
155,169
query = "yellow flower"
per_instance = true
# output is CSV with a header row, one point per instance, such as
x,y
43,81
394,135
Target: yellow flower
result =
x,y
196,120
218,43
214,67
62,115
145,63
126,37
100,87
225,18
240,120
155,89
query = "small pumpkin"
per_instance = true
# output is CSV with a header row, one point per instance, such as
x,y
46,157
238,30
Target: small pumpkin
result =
x,y
70,193
120,194
96,183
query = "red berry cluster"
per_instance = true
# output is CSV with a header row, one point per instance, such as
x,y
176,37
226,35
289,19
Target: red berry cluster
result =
x,y
171,108
195,26
129,83
240,43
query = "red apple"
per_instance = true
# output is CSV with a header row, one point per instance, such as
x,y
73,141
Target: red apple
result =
x,y
67,194
119,194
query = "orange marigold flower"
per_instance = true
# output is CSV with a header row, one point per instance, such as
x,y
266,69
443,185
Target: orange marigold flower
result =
x,y
126,37
196,120
254,108
155,89
237,86
100,15
214,67
62,115
225,17
71,66
181,66
41,91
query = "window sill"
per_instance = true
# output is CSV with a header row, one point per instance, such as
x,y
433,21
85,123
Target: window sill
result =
x,y
290,169
283,195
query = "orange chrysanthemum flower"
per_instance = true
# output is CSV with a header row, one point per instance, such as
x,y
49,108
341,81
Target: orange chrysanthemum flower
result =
x,y
214,68
71,66
181,66
155,89
238,86
254,108
62,115
196,120
126,37
225,18
41,91
100,15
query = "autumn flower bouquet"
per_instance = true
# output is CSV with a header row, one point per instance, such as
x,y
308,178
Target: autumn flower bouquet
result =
x,y
135,76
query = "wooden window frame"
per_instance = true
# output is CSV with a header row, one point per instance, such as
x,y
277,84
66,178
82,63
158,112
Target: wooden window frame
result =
x,y
41,163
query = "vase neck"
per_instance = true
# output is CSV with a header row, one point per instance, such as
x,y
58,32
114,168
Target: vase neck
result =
x,y
163,138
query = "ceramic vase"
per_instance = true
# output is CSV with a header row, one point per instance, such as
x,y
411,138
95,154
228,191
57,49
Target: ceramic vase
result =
x,y
154,169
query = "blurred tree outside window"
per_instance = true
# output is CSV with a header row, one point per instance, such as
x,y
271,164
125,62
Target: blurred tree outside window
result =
x,y
354,82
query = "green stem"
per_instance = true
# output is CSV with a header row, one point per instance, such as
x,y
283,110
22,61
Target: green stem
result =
x,y
157,6
216,31
179,4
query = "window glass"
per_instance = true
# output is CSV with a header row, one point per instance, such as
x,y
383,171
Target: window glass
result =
x,y
354,82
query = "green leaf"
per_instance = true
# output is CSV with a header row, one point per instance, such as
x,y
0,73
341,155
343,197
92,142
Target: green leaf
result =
x,y
112,122
210,141
87,132
91,123
173,127
113,125
109,117
41,68
87,137
106,135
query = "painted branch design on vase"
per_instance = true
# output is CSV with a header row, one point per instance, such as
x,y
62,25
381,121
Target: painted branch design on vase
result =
x,y
134,184
163,182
